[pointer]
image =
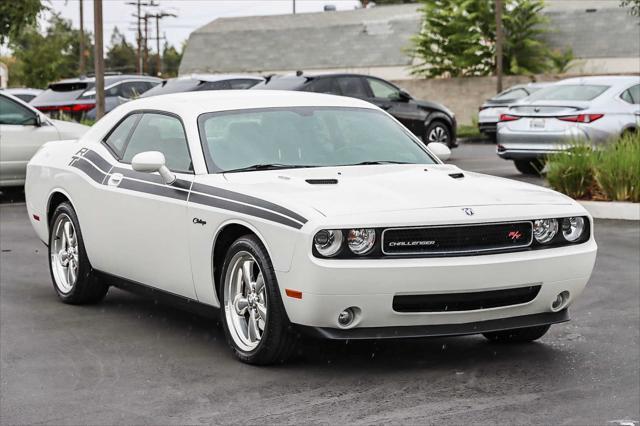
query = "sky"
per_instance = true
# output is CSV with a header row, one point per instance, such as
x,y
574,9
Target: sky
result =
x,y
192,14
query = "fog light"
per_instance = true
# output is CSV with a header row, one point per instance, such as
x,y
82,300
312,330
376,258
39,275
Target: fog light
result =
x,y
346,317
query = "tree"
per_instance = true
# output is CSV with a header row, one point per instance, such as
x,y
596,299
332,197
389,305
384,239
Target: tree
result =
x,y
171,59
43,58
458,39
121,55
17,15
633,5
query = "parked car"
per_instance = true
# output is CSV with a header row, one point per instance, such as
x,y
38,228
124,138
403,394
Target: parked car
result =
x,y
490,111
590,109
23,93
430,121
76,97
23,130
198,82
301,212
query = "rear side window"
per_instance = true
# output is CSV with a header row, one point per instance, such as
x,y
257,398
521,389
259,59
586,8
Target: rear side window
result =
x,y
353,87
632,95
382,90
133,89
323,85
569,92
215,85
164,133
117,139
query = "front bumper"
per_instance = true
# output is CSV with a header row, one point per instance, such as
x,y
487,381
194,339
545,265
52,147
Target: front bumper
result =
x,y
329,286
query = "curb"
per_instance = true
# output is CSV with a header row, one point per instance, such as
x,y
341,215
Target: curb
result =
x,y
612,209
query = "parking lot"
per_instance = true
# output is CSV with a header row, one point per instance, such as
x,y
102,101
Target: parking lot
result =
x,y
131,360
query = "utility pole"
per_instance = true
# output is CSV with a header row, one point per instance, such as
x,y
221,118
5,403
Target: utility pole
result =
x,y
98,58
158,17
146,39
83,60
138,4
294,7
499,42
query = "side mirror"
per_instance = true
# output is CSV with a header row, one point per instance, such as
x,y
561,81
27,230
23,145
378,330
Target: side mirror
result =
x,y
440,150
35,120
151,162
404,96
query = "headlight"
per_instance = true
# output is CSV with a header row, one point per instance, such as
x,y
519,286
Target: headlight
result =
x,y
545,229
328,242
572,228
361,241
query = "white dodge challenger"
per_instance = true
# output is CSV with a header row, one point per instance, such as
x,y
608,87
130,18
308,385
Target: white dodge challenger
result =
x,y
297,212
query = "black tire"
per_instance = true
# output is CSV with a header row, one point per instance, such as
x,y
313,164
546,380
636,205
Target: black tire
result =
x,y
530,167
518,335
433,132
88,288
278,341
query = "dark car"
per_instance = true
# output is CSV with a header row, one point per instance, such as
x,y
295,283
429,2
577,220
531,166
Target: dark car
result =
x,y
430,121
76,97
198,82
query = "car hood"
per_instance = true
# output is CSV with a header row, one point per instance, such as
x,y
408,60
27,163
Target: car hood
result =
x,y
432,105
69,130
387,188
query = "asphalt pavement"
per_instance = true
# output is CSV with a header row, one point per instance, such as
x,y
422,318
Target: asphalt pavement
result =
x,y
130,360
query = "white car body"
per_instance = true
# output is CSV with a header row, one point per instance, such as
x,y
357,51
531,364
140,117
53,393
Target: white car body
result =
x,y
18,142
164,236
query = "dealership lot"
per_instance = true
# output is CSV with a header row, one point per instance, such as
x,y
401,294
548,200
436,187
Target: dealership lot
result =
x,y
132,360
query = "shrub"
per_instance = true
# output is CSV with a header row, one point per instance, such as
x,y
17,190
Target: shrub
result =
x,y
571,172
618,169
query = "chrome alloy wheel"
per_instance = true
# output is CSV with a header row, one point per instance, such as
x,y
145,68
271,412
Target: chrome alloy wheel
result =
x,y
438,134
65,261
245,301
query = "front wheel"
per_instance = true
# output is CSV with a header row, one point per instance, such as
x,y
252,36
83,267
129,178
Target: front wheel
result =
x,y
73,278
518,335
254,319
530,167
437,131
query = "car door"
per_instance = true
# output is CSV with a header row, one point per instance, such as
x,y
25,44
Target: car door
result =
x,y
21,134
387,97
631,97
142,233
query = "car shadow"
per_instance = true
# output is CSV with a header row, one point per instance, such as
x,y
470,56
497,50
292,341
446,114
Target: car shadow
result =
x,y
454,353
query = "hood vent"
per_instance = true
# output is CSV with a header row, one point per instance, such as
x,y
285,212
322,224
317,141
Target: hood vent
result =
x,y
322,181
456,175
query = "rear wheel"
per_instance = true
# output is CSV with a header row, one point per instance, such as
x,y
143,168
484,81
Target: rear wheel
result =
x,y
518,335
73,278
254,319
530,167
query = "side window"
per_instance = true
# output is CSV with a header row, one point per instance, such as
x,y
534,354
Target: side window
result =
x,y
133,89
323,85
118,136
215,85
632,95
353,87
243,83
382,90
13,113
164,133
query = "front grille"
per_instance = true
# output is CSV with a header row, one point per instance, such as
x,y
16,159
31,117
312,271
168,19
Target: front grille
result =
x,y
453,302
463,239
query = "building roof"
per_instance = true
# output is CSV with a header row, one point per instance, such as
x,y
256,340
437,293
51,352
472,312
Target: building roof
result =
x,y
380,36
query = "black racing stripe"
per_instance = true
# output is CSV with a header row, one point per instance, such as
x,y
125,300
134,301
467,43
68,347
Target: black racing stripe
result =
x,y
96,159
89,169
235,196
241,208
149,188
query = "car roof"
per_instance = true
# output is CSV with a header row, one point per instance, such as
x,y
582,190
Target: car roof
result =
x,y
217,77
23,90
609,80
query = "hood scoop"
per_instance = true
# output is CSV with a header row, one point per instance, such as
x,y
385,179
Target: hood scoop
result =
x,y
322,181
456,175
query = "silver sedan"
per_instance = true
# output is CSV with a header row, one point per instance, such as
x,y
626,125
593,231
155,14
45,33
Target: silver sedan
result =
x,y
591,109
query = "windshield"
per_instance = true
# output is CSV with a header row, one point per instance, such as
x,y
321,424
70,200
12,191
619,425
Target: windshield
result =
x,y
305,136
568,92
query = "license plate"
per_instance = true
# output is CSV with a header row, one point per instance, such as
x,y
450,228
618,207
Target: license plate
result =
x,y
537,123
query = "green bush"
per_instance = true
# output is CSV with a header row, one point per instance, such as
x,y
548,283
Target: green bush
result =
x,y
571,172
617,171
611,173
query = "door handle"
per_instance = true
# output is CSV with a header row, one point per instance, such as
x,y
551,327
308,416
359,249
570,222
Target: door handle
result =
x,y
115,179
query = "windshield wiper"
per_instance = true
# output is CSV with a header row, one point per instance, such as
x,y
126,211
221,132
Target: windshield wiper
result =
x,y
266,166
369,163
